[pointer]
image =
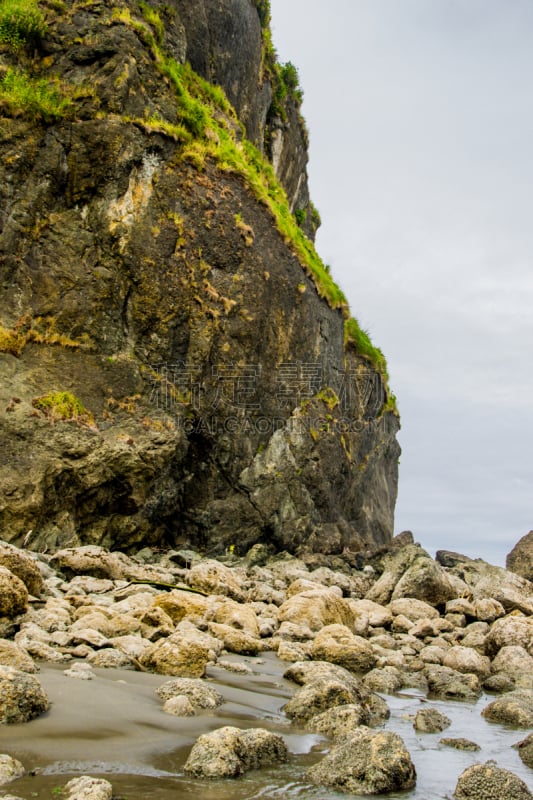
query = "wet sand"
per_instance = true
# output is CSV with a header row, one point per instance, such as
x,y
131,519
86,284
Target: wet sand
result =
x,y
114,726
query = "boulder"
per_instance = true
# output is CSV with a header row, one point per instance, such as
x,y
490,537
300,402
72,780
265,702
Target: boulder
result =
x,y
229,752
525,750
13,656
13,594
179,604
317,696
316,609
386,680
431,720
24,566
444,682
184,654
377,615
340,720
490,782
425,580
394,565
237,615
110,658
516,663
514,708
520,559
22,697
338,645
10,769
302,672
464,659
366,762
236,641
487,609
510,630
212,577
413,608
198,692
87,788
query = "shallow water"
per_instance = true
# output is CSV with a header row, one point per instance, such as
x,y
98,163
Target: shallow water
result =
x,y
113,726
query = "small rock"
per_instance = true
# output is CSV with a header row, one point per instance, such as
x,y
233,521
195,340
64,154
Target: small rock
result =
x,y
13,594
10,769
179,706
460,744
88,788
198,692
81,671
431,720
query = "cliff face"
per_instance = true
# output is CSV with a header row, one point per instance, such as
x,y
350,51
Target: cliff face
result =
x,y
173,365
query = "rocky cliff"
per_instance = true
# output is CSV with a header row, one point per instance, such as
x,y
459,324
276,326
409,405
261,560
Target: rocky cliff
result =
x,y
176,363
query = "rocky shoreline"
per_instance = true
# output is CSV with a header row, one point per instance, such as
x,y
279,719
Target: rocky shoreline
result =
x,y
351,630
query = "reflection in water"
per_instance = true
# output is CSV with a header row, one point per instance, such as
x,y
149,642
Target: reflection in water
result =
x,y
114,727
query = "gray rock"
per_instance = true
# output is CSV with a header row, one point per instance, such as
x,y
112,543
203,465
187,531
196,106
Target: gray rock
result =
x,y
490,782
318,696
366,762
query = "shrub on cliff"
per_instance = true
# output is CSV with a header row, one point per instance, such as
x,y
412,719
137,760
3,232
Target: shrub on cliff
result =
x,y
21,22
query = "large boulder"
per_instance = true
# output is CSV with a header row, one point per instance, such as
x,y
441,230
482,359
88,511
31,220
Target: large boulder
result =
x,y
13,656
179,604
514,662
337,644
185,653
13,594
316,609
366,762
465,659
318,696
447,683
490,782
22,698
23,566
212,577
229,752
514,708
520,559
510,630
425,580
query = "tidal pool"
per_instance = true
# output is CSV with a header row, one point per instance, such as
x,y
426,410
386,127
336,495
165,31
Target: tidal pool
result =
x,y
114,727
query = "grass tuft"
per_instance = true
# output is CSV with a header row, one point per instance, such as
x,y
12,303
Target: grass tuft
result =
x,y
21,23
37,98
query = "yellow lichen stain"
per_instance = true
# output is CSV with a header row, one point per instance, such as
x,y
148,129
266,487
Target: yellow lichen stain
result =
x,y
124,212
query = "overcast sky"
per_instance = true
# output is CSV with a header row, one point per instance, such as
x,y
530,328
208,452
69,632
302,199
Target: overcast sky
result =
x,y
421,122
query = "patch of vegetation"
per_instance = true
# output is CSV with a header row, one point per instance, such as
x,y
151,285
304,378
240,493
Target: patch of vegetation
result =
x,y
37,98
21,23
357,339
63,406
39,331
